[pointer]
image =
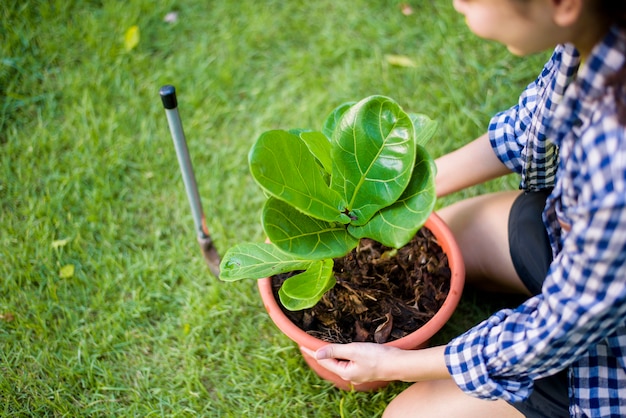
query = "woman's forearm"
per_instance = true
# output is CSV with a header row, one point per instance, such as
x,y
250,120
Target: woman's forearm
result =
x,y
367,362
471,164
418,365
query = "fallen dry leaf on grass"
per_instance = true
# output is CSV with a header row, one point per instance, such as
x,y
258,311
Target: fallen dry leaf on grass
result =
x,y
7,317
400,61
131,38
60,243
67,271
406,9
171,17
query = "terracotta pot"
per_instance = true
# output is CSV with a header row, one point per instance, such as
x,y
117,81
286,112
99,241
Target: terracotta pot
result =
x,y
417,339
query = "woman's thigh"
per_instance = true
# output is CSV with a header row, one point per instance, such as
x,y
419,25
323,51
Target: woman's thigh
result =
x,y
480,226
443,398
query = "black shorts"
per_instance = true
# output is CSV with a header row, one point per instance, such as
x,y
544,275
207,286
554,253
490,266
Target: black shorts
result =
x,y
531,253
528,240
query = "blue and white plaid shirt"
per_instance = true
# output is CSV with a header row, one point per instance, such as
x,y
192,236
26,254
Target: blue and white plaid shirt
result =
x,y
579,319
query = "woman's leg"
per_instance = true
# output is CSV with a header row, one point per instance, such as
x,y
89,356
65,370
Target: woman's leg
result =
x,y
443,398
480,226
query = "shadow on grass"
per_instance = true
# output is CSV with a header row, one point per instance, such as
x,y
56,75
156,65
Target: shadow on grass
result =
x,y
475,306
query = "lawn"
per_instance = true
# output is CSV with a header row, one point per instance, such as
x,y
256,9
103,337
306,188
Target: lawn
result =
x,y
106,305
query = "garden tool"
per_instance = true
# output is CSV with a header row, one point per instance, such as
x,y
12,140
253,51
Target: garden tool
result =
x,y
170,103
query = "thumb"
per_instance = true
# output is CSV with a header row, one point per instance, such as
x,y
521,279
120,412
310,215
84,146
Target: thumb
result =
x,y
334,351
326,352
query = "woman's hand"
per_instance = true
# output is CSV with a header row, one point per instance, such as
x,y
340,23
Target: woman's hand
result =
x,y
356,362
369,362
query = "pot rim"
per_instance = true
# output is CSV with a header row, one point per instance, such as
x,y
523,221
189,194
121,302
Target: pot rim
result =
x,y
419,337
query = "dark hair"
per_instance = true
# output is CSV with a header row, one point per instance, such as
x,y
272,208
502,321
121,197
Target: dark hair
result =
x,y
615,11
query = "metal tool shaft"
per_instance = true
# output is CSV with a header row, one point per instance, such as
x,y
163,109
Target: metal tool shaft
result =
x,y
168,95
170,103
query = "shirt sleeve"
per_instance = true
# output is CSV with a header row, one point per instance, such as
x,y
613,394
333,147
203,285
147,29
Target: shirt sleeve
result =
x,y
583,299
509,130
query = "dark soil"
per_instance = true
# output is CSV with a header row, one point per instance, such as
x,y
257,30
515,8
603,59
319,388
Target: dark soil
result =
x,y
379,296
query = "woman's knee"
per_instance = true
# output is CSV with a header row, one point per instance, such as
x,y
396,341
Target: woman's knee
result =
x,y
443,398
480,226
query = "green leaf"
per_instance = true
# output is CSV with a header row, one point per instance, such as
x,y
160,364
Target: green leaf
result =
x,y
319,145
373,157
304,290
256,261
320,149
297,233
331,121
283,166
395,225
425,128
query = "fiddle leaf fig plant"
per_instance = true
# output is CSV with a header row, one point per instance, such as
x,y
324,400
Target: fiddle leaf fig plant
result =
x,y
366,174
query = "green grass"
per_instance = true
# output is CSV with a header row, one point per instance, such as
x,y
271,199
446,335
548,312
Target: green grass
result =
x,y
89,178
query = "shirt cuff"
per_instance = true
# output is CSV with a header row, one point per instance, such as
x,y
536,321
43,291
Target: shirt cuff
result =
x,y
466,364
503,139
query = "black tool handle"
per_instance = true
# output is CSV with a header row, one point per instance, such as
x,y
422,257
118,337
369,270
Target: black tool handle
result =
x,y
168,97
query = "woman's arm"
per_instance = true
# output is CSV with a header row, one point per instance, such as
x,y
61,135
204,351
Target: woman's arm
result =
x,y
471,164
368,362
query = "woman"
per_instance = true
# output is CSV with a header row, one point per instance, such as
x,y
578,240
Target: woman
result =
x,y
561,240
